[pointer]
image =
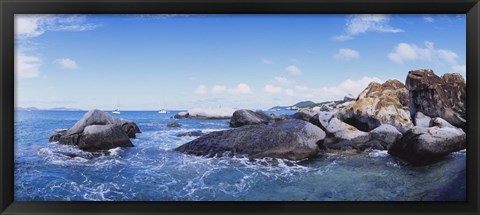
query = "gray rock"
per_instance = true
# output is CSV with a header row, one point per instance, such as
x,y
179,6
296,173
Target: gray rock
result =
x,y
343,136
130,128
290,139
421,120
56,136
191,134
174,125
249,117
439,122
76,134
436,96
385,135
304,114
345,131
103,137
181,115
421,146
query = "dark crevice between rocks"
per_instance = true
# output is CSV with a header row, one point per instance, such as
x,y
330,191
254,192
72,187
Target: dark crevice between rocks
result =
x,y
362,126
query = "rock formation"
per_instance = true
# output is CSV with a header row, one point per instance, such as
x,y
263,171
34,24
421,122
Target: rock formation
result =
x,y
97,130
290,139
437,96
379,104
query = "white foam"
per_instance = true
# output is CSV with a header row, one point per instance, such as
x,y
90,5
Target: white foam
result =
x,y
378,153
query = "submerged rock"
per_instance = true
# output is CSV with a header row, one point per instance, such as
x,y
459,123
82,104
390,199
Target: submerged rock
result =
x,y
421,146
106,133
174,125
191,134
438,97
379,104
249,117
290,139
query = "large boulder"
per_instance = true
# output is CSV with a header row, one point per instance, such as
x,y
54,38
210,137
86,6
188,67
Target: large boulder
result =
x,y
249,117
421,145
342,136
379,104
384,136
305,114
290,139
102,137
309,115
105,133
437,96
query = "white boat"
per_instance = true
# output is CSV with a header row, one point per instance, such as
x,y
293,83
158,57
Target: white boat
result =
x,y
116,111
163,111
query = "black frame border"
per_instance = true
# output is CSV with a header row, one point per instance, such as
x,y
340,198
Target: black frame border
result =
x,y
10,7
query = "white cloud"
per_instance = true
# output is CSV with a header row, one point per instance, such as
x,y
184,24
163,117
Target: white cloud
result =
x,y
282,81
410,52
363,23
289,92
462,69
301,88
353,87
447,55
201,89
219,89
428,19
28,26
293,70
27,66
266,61
346,54
272,89
241,89
66,63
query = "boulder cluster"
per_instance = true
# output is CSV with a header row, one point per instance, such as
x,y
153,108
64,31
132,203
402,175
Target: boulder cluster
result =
x,y
419,122
97,130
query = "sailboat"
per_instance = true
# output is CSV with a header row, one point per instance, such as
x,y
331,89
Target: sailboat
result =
x,y
163,111
117,111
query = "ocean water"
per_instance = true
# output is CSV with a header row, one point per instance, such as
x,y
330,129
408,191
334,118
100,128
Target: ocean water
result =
x,y
152,171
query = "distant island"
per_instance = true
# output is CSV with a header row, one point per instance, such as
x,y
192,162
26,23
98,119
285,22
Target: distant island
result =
x,y
50,109
303,104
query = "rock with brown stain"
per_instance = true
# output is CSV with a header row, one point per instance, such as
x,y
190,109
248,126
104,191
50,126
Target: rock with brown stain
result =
x,y
379,104
437,96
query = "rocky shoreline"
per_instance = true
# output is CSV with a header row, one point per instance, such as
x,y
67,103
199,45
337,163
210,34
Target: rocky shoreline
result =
x,y
418,122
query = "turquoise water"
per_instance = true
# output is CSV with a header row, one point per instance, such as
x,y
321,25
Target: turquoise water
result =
x,y
152,171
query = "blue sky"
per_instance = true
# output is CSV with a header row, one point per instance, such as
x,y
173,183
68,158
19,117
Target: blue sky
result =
x,y
149,62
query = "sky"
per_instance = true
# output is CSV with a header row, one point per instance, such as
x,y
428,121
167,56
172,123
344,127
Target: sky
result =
x,y
174,61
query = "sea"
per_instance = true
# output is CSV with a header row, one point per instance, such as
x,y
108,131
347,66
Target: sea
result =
x,y
153,171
